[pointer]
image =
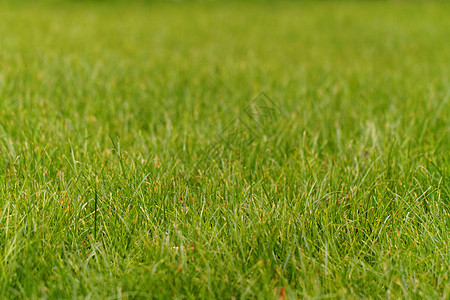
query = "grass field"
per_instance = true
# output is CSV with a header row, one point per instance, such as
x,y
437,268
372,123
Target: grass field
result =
x,y
224,150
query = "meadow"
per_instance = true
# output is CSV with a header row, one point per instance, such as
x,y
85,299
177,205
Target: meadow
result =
x,y
224,149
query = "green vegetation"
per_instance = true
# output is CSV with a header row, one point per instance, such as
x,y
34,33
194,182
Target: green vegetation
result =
x,y
198,150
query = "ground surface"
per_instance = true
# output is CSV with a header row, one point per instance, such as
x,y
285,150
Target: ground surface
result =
x,y
227,150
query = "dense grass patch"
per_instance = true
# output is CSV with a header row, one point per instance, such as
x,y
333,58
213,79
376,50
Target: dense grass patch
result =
x,y
224,150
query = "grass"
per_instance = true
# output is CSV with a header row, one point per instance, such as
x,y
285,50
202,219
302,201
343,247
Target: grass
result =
x,y
224,150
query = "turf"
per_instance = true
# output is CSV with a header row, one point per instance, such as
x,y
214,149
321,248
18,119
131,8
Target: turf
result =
x,y
224,150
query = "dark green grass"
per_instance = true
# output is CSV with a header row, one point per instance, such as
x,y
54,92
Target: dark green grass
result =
x,y
224,150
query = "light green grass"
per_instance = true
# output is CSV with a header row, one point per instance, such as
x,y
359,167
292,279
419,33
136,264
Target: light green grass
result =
x,y
128,130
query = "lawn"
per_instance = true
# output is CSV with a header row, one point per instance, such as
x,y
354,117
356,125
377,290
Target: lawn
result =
x,y
226,149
